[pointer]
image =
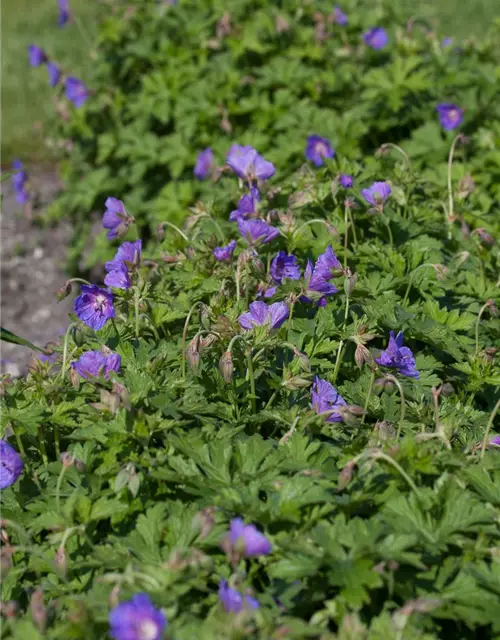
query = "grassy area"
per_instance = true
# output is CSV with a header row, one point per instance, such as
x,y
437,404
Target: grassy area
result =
x,y
27,107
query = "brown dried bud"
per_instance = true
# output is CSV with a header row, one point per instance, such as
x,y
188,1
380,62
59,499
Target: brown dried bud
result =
x,y
223,26
385,430
79,465
61,561
38,610
226,366
362,355
204,521
122,392
485,237
441,271
282,25
287,220
300,198
207,341
345,476
6,554
64,291
350,282
225,124
193,353
67,459
492,307
74,378
466,186
173,259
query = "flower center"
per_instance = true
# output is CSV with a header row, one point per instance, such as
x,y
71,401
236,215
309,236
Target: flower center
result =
x,y
148,630
100,303
454,115
321,149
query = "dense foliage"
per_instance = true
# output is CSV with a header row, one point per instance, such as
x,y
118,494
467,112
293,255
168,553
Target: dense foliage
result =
x,y
170,80
380,517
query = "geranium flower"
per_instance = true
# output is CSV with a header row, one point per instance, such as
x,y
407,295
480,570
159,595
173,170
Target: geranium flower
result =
x,y
326,398
19,180
94,364
204,163
284,267
36,55
450,115
376,38
137,619
76,91
256,231
11,465
377,194
115,218
247,538
248,164
94,306
225,253
247,205
260,314
398,357
233,601
346,181
64,13
317,149
339,17
54,73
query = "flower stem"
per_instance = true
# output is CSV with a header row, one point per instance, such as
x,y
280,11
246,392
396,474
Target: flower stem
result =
x,y
410,281
184,336
478,320
380,455
309,222
403,153
488,427
137,301
402,396
43,448
57,441
65,349
251,380
346,234
388,225
172,226
338,360
354,236
368,396
449,218
58,488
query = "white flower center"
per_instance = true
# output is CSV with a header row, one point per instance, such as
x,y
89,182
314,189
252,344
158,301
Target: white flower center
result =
x,y
321,149
454,114
100,302
148,630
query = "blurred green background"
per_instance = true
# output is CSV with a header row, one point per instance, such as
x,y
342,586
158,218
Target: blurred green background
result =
x,y
27,108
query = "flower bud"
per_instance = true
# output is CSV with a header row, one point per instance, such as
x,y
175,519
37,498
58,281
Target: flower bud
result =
x,y
385,431
226,366
441,271
61,561
122,392
295,383
384,385
193,353
350,282
78,336
485,237
38,610
447,389
6,553
223,26
67,459
465,187
74,378
64,291
287,220
345,476
362,355
304,360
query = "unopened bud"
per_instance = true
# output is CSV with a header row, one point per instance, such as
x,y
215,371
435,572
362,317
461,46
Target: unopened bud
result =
x,y
295,383
492,307
465,187
64,291
38,610
226,366
61,561
223,26
300,199
78,336
6,554
79,465
441,271
349,283
362,355
122,392
345,476
67,459
160,232
385,431
74,378
193,353
207,341
485,237
384,385
204,522
462,257
287,220
304,360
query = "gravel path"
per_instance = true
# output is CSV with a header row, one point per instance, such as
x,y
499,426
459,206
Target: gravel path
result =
x,y
32,262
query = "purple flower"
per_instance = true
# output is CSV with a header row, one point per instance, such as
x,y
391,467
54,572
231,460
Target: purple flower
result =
x,y
284,266
64,13
339,17
328,265
11,465
450,115
94,364
326,398
446,42
248,164
377,194
256,231
318,148
317,285
118,277
137,619
127,256
19,182
233,601
376,38
260,314
246,537
247,205
346,181
94,306
76,91
115,218
494,441
36,55
398,357
225,254
204,163
54,73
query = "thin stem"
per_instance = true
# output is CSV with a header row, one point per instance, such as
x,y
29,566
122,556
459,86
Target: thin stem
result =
x,y
388,225
309,222
338,360
184,336
57,441
379,455
271,399
368,396
290,317
450,188
398,148
353,228
402,396
346,311
65,348
172,226
137,300
251,380
412,274
237,278
346,234
478,320
43,448
82,30
247,283
58,488
488,427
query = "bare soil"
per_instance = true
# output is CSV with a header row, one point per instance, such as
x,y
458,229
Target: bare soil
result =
x,y
32,269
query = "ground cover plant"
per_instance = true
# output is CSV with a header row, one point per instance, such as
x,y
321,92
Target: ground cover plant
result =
x,y
172,80
281,424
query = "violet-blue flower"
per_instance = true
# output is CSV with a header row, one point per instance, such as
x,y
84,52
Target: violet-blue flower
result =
x,y
398,357
247,205
233,601
494,441
64,13
317,149
284,267
115,218
260,314
257,231
54,73
376,38
339,17
377,194
137,619
317,286
446,42
248,164
94,306
19,182
325,398
346,181
118,277
328,265
127,256
94,364
450,115
11,465
36,55
204,164
247,538
225,253
76,91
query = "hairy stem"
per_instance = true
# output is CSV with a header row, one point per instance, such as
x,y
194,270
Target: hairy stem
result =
x,y
251,379
368,395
